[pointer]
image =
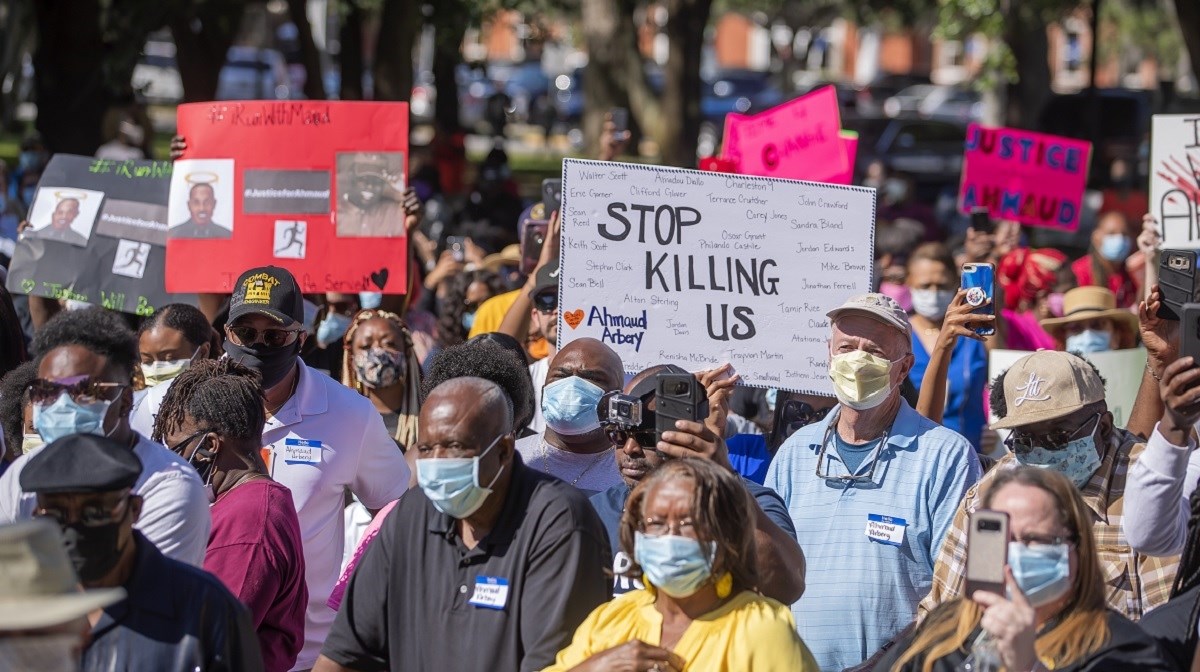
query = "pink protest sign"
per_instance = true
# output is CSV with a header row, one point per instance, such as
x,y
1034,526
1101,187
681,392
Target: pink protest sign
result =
x,y
1031,178
850,143
798,140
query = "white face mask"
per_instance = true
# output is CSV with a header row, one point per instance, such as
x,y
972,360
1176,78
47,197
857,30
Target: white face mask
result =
x,y
931,304
45,653
860,380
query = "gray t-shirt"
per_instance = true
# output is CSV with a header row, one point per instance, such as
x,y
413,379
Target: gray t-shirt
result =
x,y
591,473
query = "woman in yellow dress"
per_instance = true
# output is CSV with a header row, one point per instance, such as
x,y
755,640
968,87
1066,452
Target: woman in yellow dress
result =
x,y
689,528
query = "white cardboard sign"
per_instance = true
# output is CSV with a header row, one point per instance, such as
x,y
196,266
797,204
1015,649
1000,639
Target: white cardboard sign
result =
x,y
1175,178
673,266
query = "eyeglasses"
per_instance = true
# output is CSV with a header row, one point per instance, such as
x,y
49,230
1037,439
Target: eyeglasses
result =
x,y
647,438
272,338
179,447
656,527
545,302
83,389
847,478
92,515
1042,540
1023,443
797,414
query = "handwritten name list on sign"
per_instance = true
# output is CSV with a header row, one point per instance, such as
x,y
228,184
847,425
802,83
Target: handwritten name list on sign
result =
x,y
696,268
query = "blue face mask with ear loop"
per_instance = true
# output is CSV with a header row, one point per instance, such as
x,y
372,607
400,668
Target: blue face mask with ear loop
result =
x,y
1115,247
569,406
65,416
1042,572
332,328
452,483
676,565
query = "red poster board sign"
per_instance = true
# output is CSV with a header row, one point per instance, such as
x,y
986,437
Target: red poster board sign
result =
x,y
312,186
799,140
1032,178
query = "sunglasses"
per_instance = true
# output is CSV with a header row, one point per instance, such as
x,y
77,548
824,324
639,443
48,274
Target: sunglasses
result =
x,y
82,389
646,438
546,302
272,338
1022,443
797,414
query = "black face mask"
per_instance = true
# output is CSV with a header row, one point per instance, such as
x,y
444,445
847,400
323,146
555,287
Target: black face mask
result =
x,y
93,550
273,364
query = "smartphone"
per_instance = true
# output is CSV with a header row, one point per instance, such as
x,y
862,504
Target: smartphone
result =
x,y
533,237
620,119
790,415
458,247
678,396
987,552
980,282
981,221
552,195
1178,281
1189,327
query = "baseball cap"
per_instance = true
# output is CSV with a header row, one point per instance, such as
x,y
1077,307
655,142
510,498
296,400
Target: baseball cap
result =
x,y
37,584
879,307
270,291
1048,385
547,277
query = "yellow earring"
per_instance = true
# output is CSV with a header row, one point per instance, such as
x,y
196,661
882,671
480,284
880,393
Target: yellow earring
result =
x,y
724,585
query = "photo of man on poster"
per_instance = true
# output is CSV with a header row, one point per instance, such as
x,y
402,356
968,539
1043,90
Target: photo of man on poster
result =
x,y
370,188
64,215
202,200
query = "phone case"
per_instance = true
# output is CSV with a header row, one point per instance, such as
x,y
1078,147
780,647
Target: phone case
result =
x,y
980,282
1189,328
987,552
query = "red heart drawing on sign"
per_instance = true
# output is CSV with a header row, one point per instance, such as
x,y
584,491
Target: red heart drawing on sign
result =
x,y
574,318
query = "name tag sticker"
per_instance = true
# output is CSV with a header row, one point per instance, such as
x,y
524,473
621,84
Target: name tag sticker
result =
x,y
886,529
301,451
491,592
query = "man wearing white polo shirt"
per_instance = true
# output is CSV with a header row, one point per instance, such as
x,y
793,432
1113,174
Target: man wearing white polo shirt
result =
x,y
320,437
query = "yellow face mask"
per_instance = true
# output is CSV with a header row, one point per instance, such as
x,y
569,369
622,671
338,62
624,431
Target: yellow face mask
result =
x,y
860,380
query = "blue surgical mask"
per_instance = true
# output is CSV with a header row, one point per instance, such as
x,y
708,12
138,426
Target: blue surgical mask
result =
x,y
1089,341
678,566
65,416
1115,247
332,328
1078,460
452,483
370,300
569,406
1042,572
468,320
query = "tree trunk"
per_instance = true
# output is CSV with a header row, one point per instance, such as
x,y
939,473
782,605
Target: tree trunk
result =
x,y
68,80
201,41
450,19
351,54
1188,14
314,85
398,24
615,75
681,98
1026,37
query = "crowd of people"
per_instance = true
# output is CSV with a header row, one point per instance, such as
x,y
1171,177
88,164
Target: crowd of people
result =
x,y
281,481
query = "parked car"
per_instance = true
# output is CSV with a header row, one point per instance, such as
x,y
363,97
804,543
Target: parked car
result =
x,y
156,75
930,150
908,101
885,85
952,103
251,73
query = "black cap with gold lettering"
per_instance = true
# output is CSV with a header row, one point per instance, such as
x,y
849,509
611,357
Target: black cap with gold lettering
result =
x,y
270,291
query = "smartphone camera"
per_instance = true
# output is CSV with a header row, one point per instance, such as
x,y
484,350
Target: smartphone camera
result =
x,y
988,525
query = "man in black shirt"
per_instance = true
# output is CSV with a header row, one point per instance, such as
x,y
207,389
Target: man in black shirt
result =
x,y
486,551
176,618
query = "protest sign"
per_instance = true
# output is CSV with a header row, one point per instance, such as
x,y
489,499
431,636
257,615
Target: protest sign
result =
x,y
799,139
1121,370
98,230
696,268
1031,178
313,186
1175,178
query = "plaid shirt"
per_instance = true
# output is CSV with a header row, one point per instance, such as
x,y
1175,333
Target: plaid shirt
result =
x,y
1135,583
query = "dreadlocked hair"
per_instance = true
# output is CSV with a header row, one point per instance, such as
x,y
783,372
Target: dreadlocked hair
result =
x,y
410,407
220,395
1188,575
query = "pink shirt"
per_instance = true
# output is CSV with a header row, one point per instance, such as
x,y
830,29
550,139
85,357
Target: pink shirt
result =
x,y
339,588
255,549
1024,332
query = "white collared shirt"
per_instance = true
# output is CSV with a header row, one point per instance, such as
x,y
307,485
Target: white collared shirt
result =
x,y
175,515
355,452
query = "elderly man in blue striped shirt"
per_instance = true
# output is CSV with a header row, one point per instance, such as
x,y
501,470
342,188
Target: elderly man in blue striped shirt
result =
x,y
872,490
